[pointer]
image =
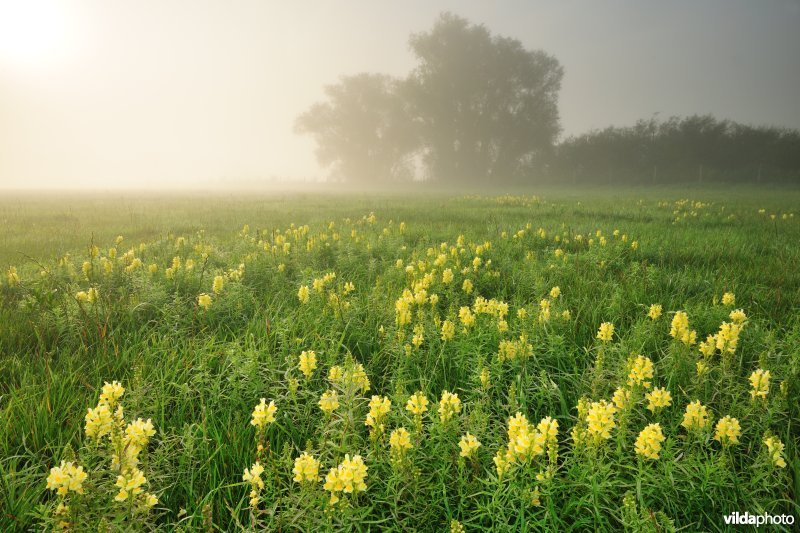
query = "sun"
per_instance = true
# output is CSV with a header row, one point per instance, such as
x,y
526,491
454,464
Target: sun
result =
x,y
33,33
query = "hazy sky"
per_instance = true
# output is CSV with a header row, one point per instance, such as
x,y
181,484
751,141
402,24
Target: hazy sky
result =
x,y
123,93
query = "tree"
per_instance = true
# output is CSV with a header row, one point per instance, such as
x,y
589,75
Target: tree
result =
x,y
362,131
486,107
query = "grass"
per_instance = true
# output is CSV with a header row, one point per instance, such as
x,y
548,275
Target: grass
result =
x,y
199,373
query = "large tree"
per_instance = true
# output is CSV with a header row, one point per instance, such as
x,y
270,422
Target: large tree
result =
x,y
485,106
362,131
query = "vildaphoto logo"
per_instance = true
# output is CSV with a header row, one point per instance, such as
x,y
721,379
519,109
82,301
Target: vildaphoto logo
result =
x,y
758,520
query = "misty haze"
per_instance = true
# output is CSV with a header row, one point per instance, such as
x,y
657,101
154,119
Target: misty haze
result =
x,y
399,266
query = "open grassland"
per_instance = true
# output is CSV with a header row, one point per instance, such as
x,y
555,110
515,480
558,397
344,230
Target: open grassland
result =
x,y
344,311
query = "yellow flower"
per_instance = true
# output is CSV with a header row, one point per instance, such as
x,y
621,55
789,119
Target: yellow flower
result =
x,y
303,294
738,316
308,362
727,431
555,292
640,371
111,393
728,337
92,295
467,286
456,527
648,443
484,377
264,414
655,311
775,450
138,433
329,401
204,301
253,476
348,477
600,420
98,421
679,329
728,298
696,416
149,500
335,374
12,276
658,398
379,407
130,483
306,468
81,296
501,462
759,380
468,445
400,441
447,276
417,403
219,282
419,335
466,317
449,405
605,332
66,478
621,397
448,330
544,311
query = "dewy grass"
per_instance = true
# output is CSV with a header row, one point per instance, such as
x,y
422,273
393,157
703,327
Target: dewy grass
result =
x,y
478,363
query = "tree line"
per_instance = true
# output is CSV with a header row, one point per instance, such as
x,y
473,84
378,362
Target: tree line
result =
x,y
482,109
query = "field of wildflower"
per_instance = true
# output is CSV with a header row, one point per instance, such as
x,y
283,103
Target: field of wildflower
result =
x,y
600,361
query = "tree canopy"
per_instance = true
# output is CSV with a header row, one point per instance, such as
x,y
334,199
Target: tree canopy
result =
x,y
698,148
362,131
486,107
476,107
481,108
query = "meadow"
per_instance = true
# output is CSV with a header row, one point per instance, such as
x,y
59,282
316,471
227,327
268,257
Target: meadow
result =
x,y
560,360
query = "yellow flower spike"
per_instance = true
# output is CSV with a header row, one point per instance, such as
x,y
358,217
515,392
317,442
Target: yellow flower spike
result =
x,y
417,404
379,407
606,332
640,371
468,444
218,284
303,294
204,301
329,401
449,405
728,299
600,420
263,414
306,469
759,380
727,431
696,417
658,398
775,450
66,477
307,363
648,443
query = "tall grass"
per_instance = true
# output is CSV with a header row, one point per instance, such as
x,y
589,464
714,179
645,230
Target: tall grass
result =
x,y
198,373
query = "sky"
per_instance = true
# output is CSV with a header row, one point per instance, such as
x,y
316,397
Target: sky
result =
x,y
180,94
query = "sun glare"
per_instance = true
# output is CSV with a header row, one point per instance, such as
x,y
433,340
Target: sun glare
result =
x,y
33,33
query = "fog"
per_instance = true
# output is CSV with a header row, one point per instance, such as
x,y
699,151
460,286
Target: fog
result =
x,y
205,94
